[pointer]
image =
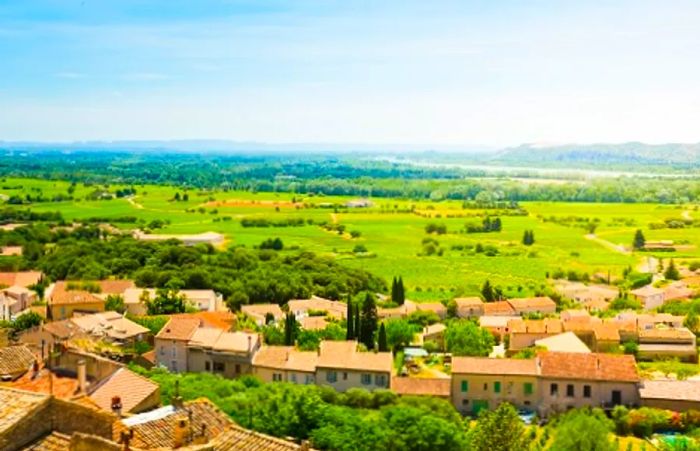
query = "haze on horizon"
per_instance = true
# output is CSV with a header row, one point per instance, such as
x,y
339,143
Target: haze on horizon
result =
x,y
433,74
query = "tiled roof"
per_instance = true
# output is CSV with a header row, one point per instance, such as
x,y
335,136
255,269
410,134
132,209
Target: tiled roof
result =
x,y
129,386
61,295
63,329
334,309
648,290
601,367
541,302
415,386
110,324
220,320
485,365
597,304
179,329
500,308
673,390
236,438
47,382
22,279
15,360
468,302
52,442
313,322
496,321
566,342
156,429
344,355
285,358
680,333
435,307
536,326
260,310
606,332
218,340
115,286
581,323
17,404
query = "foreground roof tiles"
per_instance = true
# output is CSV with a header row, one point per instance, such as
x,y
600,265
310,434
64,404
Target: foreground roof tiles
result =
x,y
17,404
52,442
236,438
129,386
15,360
22,279
688,390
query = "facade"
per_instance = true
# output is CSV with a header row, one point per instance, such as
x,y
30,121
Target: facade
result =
x,y
341,366
171,343
541,304
471,307
229,354
650,297
285,364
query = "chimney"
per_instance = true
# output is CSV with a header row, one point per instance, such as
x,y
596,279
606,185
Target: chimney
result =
x,y
181,432
117,405
125,439
250,343
177,399
82,376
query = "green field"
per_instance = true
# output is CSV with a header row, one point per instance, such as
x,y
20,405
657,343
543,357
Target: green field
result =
x,y
393,234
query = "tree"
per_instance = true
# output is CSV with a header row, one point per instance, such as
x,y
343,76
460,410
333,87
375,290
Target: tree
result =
x,y
583,430
394,290
487,292
382,345
27,321
185,197
177,196
671,272
691,321
350,319
290,329
368,321
466,338
167,301
399,332
115,303
639,240
498,430
528,238
402,291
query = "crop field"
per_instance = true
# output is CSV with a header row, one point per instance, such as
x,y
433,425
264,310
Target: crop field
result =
x,y
388,237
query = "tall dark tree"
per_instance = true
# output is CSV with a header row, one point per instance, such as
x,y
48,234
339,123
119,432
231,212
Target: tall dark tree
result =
x,y
487,292
496,225
528,238
394,290
350,318
290,326
672,272
358,324
368,321
639,240
401,292
382,344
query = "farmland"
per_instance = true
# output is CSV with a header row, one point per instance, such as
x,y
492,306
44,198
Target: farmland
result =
x,y
388,238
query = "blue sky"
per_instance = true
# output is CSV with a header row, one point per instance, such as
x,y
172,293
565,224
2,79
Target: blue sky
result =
x,y
434,74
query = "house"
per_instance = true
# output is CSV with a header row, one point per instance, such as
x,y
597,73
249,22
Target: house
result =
x,y
497,325
402,311
434,333
436,307
665,343
677,291
469,307
225,321
649,296
202,300
24,279
675,395
260,312
213,238
341,366
596,305
606,337
135,393
15,361
480,383
419,386
112,326
582,324
171,343
285,364
566,342
229,354
574,380
540,304
499,308
317,306
523,333
115,287
65,299
14,300
585,294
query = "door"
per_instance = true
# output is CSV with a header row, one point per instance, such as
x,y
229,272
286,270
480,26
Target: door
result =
x,y
616,397
478,405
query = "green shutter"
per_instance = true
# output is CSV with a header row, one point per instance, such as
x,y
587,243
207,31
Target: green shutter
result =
x,y
465,386
528,388
497,387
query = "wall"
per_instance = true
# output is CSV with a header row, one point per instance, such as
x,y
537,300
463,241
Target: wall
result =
x,y
59,312
347,379
481,388
33,426
198,358
297,377
601,393
97,367
164,354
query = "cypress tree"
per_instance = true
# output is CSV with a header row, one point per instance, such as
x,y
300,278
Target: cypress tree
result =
x,y
487,291
381,339
394,291
350,318
289,329
401,291
356,333
368,321
496,225
639,240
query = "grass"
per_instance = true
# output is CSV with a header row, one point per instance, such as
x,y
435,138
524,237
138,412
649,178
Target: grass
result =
x,y
393,234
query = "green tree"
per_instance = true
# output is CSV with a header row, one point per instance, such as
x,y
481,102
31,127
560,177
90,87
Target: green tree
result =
x,y
167,301
672,272
528,238
639,240
583,430
27,321
399,332
401,292
487,292
466,338
115,303
368,321
691,321
382,345
498,430
290,329
394,290
350,319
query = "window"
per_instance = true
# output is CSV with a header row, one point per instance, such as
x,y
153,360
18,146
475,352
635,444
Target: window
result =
x,y
586,391
527,388
277,377
309,379
380,380
207,366
554,389
238,368
465,386
294,378
162,350
486,387
332,377
173,365
570,391
366,379
497,387
219,367
345,376
173,350
465,402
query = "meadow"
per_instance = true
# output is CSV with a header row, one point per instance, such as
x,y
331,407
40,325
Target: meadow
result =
x,y
389,235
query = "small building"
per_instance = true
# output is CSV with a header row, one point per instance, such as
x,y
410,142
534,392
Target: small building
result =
x,y
136,393
675,395
317,306
112,326
436,307
499,308
64,300
402,311
229,354
469,307
285,364
260,312
420,386
434,333
606,337
341,366
649,296
524,333
566,342
171,343
540,304
665,343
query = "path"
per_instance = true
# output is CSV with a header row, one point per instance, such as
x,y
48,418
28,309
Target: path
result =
x,y
334,218
605,243
131,200
686,215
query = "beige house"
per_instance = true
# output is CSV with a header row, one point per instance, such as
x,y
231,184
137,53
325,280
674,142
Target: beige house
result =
x,y
285,364
64,302
341,366
258,312
470,307
674,395
112,326
202,300
229,354
667,343
301,308
650,296
523,333
541,304
171,343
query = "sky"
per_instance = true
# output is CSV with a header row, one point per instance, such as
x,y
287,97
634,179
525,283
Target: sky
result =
x,y
453,74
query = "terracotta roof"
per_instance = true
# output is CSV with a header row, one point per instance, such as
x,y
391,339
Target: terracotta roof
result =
x,y
220,320
15,361
285,358
52,442
468,302
680,333
260,310
313,322
495,321
606,332
416,386
435,307
61,295
601,367
236,438
236,342
536,326
541,302
648,290
688,390
129,386
110,324
566,342
485,365
344,355
64,387
16,405
22,279
571,314
63,329
597,304
115,286
581,323
156,429
500,308
149,356
334,309
179,329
